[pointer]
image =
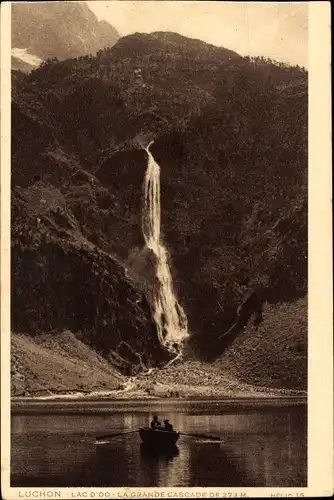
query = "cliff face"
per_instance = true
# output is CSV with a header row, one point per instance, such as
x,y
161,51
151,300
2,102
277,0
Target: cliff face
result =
x,y
62,282
235,208
59,29
231,139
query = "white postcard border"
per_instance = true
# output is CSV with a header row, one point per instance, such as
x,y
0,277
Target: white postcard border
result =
x,y
320,385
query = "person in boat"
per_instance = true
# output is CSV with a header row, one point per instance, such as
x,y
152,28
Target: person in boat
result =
x,y
168,426
155,424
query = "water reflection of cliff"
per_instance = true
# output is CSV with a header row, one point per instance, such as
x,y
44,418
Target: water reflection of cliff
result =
x,y
263,450
258,449
51,460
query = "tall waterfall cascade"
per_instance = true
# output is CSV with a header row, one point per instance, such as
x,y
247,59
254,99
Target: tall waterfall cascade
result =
x,y
169,316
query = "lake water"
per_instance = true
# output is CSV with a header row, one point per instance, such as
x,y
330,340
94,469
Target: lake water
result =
x,y
54,444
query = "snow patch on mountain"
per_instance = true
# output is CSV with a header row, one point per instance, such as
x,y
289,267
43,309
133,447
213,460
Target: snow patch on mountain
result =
x,y
25,56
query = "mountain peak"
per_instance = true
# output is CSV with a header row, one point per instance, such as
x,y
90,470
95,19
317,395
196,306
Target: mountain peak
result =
x,y
59,29
174,43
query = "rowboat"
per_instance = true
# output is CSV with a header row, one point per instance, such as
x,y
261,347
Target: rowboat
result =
x,y
158,438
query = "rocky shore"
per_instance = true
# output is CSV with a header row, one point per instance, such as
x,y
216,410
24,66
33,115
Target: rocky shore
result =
x,y
190,379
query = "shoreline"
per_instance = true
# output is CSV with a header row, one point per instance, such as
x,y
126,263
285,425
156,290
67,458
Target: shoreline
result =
x,y
227,405
137,396
189,380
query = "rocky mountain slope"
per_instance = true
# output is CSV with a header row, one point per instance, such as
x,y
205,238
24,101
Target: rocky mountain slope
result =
x,y
57,364
231,138
58,30
62,282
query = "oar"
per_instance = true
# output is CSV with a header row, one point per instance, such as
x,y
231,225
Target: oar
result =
x,y
108,436
203,436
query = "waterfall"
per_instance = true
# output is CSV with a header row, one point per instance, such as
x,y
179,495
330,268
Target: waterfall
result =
x,y
169,316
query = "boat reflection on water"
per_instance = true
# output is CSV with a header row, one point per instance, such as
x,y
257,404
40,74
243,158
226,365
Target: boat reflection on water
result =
x,y
162,467
258,449
167,454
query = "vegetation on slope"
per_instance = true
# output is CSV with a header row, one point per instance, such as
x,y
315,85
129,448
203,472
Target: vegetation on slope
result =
x,y
61,281
231,138
273,353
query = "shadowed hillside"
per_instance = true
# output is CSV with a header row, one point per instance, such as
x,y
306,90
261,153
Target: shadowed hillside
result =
x,y
61,281
231,139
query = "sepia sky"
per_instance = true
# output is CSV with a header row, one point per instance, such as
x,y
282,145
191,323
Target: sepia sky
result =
x,y
273,29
